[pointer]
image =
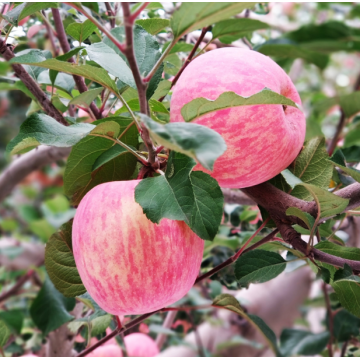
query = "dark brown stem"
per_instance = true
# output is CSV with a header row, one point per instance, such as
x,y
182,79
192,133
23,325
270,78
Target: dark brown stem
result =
x,y
189,58
110,14
343,348
51,36
138,11
338,132
79,81
331,320
20,282
30,83
141,86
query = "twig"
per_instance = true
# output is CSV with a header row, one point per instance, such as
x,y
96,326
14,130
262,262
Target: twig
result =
x,y
141,86
198,340
170,317
80,83
30,83
343,348
98,25
338,132
138,11
19,283
331,320
189,58
51,35
111,14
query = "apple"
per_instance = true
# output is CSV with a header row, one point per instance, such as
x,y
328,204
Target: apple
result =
x,y
140,345
128,264
107,350
262,140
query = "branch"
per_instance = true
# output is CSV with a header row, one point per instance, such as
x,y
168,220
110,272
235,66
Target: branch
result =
x,y
30,83
27,163
138,11
110,14
50,34
236,197
141,86
189,58
80,83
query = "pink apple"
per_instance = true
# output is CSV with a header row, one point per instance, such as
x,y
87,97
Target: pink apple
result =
x,y
107,350
262,140
128,264
140,345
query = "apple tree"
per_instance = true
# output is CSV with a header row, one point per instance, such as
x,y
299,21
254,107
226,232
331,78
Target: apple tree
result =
x,y
163,163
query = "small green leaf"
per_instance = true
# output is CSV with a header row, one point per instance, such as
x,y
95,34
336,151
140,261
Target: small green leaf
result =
x,y
311,167
230,303
62,81
26,9
60,263
258,266
86,98
89,302
228,99
338,159
162,89
193,197
50,308
90,72
344,273
305,217
108,155
4,333
14,319
193,16
42,129
348,293
301,342
345,325
79,176
237,28
196,141
81,31
153,26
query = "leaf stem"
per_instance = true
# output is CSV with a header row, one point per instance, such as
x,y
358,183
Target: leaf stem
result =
x,y
331,320
138,11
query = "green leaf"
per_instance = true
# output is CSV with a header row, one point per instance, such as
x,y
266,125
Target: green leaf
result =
x,y
14,319
25,9
86,98
237,28
153,26
348,293
351,153
89,302
79,176
108,155
90,72
42,129
349,253
60,262
81,31
228,99
350,103
286,50
338,159
311,167
4,333
180,46
302,342
345,273
345,325
230,303
258,266
304,216
193,16
108,59
33,55
162,89
50,308
196,141
193,197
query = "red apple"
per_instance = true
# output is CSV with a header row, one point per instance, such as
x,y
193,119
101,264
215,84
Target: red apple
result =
x,y
262,140
140,345
128,264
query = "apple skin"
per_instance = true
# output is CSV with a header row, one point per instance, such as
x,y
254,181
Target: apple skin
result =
x,y
262,140
107,350
140,345
128,264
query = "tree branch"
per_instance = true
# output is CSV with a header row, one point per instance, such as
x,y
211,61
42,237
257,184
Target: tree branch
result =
x,y
138,11
110,14
79,81
30,83
27,163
